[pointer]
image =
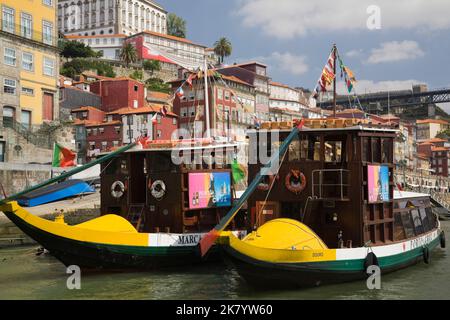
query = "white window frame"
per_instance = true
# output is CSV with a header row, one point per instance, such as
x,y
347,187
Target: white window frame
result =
x,y
26,29
47,32
29,62
8,24
48,3
45,66
12,57
27,91
9,86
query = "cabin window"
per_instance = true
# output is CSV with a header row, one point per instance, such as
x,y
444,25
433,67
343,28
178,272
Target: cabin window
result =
x,y
160,163
399,232
366,150
294,150
123,166
376,150
333,151
408,224
386,155
417,222
431,217
314,148
425,222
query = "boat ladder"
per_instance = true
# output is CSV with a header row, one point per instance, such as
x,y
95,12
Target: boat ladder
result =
x,y
136,216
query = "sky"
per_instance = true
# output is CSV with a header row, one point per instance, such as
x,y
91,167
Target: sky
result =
x,y
389,45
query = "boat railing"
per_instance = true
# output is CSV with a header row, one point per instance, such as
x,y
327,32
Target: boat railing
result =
x,y
330,184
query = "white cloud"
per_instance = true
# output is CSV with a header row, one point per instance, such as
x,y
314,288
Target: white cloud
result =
x,y
286,61
396,51
354,53
368,86
289,18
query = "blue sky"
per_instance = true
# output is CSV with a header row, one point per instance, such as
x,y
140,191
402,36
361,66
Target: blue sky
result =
x,y
294,37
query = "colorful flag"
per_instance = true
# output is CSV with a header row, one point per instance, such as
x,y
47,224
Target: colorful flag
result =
x,y
180,92
189,79
327,77
238,171
63,157
163,111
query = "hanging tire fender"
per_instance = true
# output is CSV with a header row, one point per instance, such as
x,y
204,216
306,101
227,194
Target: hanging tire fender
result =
x,y
442,239
426,255
158,189
371,260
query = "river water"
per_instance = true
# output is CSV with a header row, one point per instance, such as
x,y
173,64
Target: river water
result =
x,y
24,275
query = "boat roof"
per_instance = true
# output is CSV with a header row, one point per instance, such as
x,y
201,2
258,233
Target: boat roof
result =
x,y
398,195
353,128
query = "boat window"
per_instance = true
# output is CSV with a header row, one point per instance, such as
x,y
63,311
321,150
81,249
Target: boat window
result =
x,y
399,231
333,151
111,167
400,204
408,224
123,166
366,150
376,152
159,162
294,150
431,217
424,217
417,221
386,155
304,147
314,148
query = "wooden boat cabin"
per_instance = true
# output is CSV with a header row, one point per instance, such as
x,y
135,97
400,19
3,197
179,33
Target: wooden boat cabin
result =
x,y
170,187
337,177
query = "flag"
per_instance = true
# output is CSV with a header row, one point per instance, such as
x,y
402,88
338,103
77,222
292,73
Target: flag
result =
x,y
256,121
238,171
350,79
327,76
189,79
180,92
163,111
63,157
154,118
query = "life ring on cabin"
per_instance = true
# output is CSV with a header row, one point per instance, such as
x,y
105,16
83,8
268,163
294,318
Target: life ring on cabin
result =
x,y
118,188
371,260
158,189
442,239
295,181
426,255
265,185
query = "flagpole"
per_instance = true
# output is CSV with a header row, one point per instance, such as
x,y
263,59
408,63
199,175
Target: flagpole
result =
x,y
53,160
335,80
208,133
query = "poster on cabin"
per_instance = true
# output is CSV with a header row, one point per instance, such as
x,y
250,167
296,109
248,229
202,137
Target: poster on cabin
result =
x,y
209,190
378,183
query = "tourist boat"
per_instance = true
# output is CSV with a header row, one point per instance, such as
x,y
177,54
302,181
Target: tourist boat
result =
x,y
154,211
331,210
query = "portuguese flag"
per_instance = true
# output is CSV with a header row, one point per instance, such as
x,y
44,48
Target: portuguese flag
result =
x,y
238,171
63,157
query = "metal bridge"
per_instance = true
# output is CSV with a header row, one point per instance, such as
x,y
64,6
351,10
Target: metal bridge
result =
x,y
405,98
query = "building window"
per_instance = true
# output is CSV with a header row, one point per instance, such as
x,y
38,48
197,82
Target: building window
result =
x,y
47,32
8,20
49,67
26,25
174,121
104,145
9,86
115,143
48,2
27,61
25,118
10,57
28,91
2,151
158,133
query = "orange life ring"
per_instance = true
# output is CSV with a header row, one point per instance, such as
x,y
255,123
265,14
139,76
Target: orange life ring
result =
x,y
266,186
298,187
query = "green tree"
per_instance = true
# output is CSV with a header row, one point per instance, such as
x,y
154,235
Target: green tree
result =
x,y
75,49
137,75
128,54
176,26
223,48
78,65
156,84
151,66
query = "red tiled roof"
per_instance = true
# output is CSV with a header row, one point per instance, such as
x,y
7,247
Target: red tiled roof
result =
x,y
100,124
437,121
439,149
147,109
85,108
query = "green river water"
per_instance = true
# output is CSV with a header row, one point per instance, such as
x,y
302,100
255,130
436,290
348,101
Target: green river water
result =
x,y
24,275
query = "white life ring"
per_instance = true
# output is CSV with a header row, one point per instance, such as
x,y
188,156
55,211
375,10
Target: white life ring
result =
x,y
158,189
117,189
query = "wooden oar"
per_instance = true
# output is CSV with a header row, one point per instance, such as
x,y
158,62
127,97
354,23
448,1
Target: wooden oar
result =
x,y
69,173
208,240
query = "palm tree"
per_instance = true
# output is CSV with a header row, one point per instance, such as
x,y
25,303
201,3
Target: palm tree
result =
x,y
176,26
223,48
128,54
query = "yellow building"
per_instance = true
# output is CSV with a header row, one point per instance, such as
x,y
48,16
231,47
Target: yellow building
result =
x,y
29,61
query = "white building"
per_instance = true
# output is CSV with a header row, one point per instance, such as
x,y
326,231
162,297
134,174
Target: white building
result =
x,y
103,17
109,45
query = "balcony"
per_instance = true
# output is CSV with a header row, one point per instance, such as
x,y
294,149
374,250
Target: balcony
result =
x,y
23,32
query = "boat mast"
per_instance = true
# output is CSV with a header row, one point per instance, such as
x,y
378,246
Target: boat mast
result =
x,y
208,131
335,79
